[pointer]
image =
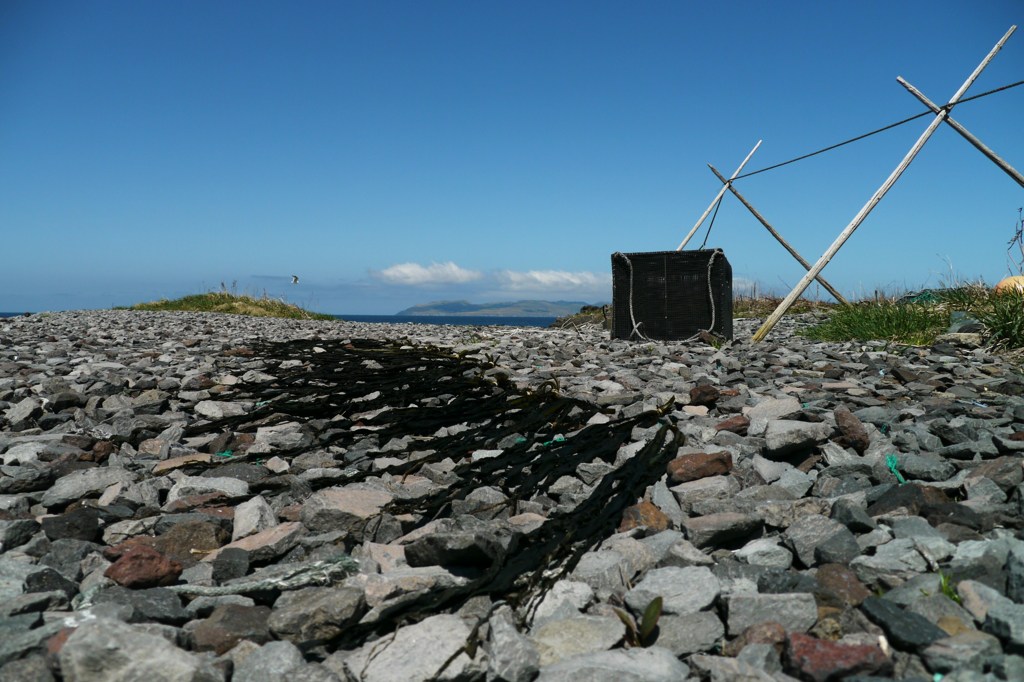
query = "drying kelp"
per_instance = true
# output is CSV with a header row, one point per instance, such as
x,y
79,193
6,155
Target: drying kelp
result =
x,y
359,398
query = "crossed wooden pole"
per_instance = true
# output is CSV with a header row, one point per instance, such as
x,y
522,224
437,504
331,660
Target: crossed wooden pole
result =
x,y
778,237
941,114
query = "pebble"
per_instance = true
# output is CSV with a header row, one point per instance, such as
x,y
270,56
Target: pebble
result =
x,y
179,498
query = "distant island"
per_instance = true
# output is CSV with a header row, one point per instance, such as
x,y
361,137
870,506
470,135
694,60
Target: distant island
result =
x,y
505,309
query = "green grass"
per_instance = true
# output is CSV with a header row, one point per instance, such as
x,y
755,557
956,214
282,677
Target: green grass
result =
x,y
225,302
910,323
920,321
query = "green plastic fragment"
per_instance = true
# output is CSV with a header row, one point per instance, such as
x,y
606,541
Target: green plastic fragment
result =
x,y
893,462
262,403
226,453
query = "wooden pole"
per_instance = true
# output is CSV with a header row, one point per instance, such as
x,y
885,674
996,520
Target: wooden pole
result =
x,y
978,144
718,196
774,318
778,237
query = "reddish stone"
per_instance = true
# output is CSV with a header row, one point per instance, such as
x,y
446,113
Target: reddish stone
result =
x,y
737,424
56,643
821,661
704,395
115,552
699,465
843,583
187,543
293,512
229,624
1017,435
100,451
644,514
853,433
143,566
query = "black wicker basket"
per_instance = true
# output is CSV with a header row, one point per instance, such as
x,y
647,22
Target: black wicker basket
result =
x,y
671,295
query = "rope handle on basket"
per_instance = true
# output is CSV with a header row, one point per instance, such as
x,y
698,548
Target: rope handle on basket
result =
x,y
635,326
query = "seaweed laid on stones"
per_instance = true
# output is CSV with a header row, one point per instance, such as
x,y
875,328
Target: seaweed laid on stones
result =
x,y
390,391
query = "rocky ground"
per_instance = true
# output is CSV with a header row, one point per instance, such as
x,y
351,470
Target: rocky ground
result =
x,y
209,497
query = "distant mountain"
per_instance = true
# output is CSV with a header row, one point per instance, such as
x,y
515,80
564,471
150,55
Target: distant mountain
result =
x,y
505,309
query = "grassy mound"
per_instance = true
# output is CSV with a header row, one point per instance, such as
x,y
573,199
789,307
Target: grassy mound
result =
x,y
224,302
920,319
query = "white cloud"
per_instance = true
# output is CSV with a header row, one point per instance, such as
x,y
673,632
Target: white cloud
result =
x,y
552,280
435,273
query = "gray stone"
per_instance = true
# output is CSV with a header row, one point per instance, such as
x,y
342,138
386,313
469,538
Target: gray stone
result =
x,y
215,409
784,437
977,598
601,570
558,639
765,552
252,516
102,650
653,664
663,499
721,528
153,604
565,598
795,482
32,667
16,532
807,534
1006,621
724,669
689,633
511,656
1015,572
963,651
683,590
906,630
416,653
316,614
796,612
22,414
271,662
891,564
203,485
709,488
84,483
852,515
19,644
922,467
682,553
770,409
349,509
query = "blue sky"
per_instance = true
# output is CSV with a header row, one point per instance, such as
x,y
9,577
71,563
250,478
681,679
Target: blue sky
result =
x,y
392,153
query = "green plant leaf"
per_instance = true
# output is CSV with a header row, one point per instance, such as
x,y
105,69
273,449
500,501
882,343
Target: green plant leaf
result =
x,y
650,619
632,637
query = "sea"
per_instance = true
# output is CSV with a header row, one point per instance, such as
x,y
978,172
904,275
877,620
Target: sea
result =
x,y
458,320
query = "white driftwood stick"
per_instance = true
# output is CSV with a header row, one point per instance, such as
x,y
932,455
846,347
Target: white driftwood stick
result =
x,y
718,196
978,144
774,318
757,214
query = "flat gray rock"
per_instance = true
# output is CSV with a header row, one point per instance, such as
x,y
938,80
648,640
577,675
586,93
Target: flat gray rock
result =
x,y
652,664
683,590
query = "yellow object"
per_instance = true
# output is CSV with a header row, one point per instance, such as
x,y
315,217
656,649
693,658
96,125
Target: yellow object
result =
x,y
1008,284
